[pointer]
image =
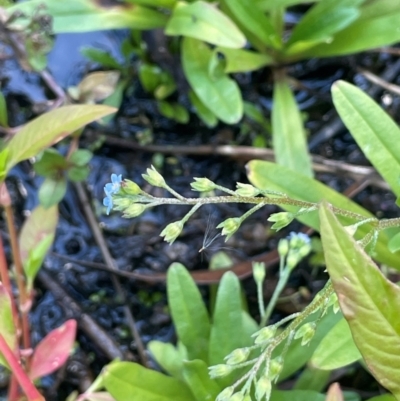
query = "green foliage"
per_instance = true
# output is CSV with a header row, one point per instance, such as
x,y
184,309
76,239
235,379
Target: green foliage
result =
x,y
7,327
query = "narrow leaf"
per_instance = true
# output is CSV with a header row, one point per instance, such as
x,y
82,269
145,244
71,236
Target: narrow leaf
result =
x,y
53,351
168,357
203,21
298,395
384,397
289,138
130,381
3,111
7,328
220,94
51,127
188,312
267,175
375,132
337,349
368,301
90,15
239,60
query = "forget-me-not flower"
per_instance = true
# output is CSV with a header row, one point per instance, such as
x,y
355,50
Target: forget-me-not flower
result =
x,y
110,189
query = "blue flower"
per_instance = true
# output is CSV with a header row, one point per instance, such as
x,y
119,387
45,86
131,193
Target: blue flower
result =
x,y
114,186
110,189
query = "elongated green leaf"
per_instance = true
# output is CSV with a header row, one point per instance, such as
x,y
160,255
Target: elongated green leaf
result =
x,y
337,349
239,60
50,128
384,397
52,191
7,328
90,15
204,113
197,378
203,21
268,5
369,302
168,357
375,132
227,319
298,395
188,312
3,111
321,22
254,20
220,94
267,175
289,138
312,379
369,32
130,381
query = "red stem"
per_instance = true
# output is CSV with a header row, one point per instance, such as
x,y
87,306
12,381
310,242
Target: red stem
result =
x,y
29,389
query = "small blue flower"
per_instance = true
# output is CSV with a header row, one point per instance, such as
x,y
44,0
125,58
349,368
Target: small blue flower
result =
x,y
114,186
108,202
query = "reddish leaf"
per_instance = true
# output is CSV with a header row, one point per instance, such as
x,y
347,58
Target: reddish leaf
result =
x,y
52,352
334,393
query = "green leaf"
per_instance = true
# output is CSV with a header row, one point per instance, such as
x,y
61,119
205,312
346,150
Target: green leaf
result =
x,y
268,5
101,57
168,357
3,111
81,157
369,302
298,395
289,137
312,379
374,28
4,156
78,174
203,21
51,163
337,349
321,22
36,237
374,131
254,20
52,191
174,111
267,175
197,378
50,128
227,319
7,328
394,243
205,114
384,397
239,60
188,312
89,15
130,381
221,95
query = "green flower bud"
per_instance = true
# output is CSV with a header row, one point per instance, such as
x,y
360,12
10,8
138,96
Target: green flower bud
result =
x,y
259,271
134,210
153,177
237,356
172,231
219,370
292,259
247,397
239,396
263,388
121,203
202,185
283,247
281,220
246,190
229,226
130,187
264,335
225,394
275,368
306,332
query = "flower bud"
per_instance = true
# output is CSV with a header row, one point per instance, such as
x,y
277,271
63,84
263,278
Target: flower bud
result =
x,y
263,388
121,203
134,210
219,370
292,259
239,396
298,240
306,333
281,220
237,356
264,335
283,247
130,187
153,177
202,185
172,231
230,226
275,368
247,397
246,190
225,394
259,271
